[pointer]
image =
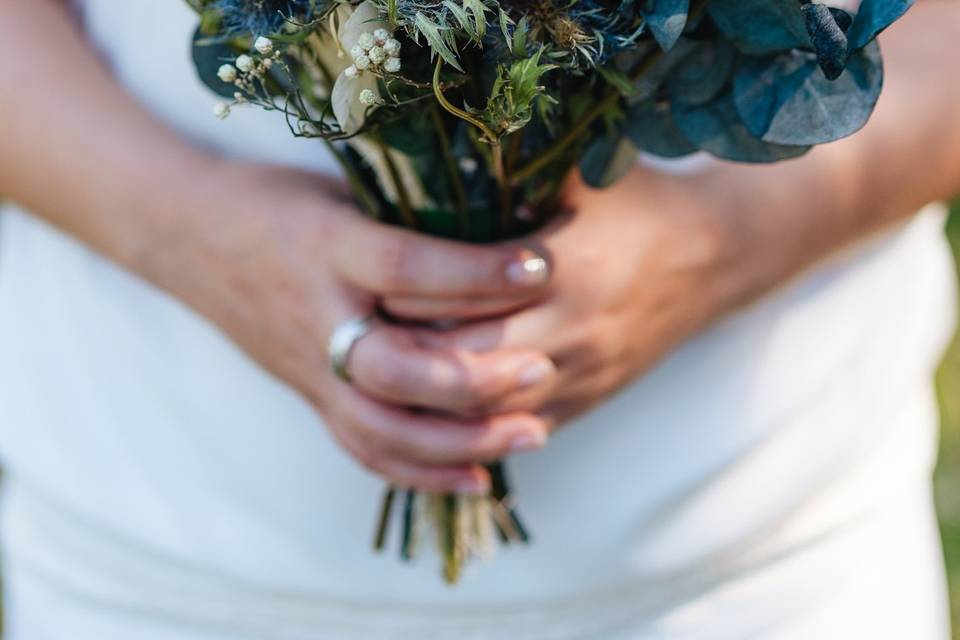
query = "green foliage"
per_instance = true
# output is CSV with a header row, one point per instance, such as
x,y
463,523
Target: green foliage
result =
x,y
515,92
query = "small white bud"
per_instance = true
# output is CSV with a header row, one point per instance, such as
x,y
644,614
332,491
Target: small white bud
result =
x,y
468,165
361,62
391,65
377,55
227,73
368,97
268,63
392,47
380,36
366,41
245,63
238,96
221,110
351,72
357,51
263,45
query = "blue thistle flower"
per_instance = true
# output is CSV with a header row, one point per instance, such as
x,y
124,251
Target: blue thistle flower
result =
x,y
262,17
615,28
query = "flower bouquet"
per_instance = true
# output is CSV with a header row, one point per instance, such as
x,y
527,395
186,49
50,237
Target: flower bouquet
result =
x,y
462,118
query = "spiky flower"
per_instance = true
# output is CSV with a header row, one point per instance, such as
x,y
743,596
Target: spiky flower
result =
x,y
264,17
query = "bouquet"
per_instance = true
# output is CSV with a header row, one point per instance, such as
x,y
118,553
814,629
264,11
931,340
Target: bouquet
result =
x,y
462,118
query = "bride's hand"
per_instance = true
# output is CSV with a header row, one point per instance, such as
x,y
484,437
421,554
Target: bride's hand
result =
x,y
282,259
637,269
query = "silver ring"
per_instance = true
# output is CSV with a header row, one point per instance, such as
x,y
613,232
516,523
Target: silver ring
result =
x,y
342,341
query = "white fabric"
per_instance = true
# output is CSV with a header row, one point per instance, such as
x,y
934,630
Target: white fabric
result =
x,y
769,480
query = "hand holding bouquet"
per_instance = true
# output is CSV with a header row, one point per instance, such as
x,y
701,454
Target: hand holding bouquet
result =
x,y
463,118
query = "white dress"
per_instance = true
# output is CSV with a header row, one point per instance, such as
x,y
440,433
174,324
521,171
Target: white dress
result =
x,y
769,480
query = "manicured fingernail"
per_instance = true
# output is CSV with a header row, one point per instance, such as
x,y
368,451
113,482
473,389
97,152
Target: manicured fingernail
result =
x,y
530,272
536,373
473,487
528,442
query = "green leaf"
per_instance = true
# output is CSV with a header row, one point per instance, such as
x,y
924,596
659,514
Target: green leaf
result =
x,y
462,18
479,11
505,24
434,34
618,80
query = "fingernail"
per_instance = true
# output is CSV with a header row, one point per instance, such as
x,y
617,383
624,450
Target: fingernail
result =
x,y
536,373
473,487
528,442
530,272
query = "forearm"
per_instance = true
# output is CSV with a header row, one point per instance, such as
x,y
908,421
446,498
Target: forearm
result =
x,y
78,151
783,217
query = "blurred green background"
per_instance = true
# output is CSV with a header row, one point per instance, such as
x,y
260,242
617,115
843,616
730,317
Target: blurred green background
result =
x,y
947,477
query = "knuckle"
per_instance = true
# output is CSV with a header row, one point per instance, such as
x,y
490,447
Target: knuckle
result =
x,y
391,378
396,263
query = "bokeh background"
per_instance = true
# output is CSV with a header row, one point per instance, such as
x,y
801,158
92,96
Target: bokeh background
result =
x,y
947,477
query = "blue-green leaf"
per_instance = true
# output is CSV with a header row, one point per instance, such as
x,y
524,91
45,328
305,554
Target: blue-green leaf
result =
x,y
875,16
716,128
787,99
666,20
761,26
606,160
650,126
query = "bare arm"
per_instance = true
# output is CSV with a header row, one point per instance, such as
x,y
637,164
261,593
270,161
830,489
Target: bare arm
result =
x,y
789,215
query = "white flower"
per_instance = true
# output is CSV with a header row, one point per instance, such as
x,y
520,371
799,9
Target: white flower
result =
x,y
361,62
377,55
268,63
351,72
263,45
221,110
366,40
245,63
227,73
392,47
367,97
344,97
380,36
356,51
391,65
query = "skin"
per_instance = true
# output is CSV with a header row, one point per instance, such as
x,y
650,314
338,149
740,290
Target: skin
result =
x,y
270,255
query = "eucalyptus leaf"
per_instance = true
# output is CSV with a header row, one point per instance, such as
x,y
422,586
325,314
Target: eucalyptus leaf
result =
x,y
666,20
873,17
208,56
703,73
827,28
650,127
761,26
787,99
716,128
606,160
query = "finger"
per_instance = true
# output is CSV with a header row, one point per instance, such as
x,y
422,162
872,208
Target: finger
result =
x,y
432,439
539,328
390,261
389,365
428,309
469,479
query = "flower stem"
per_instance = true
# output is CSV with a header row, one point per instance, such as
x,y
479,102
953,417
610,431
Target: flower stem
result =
x,y
458,112
383,523
454,171
403,204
